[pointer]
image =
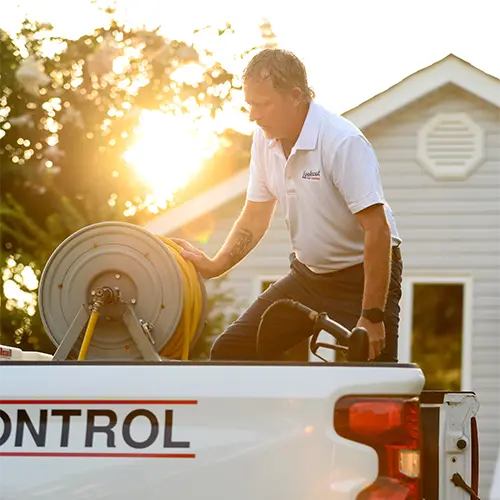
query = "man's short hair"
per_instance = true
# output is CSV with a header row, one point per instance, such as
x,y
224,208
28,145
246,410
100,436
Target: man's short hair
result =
x,y
284,68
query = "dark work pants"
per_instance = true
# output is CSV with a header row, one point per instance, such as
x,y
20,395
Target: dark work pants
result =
x,y
339,294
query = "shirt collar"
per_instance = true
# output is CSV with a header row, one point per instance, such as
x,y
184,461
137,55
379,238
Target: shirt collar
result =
x,y
308,137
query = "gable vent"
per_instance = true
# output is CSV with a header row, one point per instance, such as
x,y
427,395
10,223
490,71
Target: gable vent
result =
x,y
450,146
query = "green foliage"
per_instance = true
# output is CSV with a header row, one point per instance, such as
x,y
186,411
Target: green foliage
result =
x,y
35,244
64,128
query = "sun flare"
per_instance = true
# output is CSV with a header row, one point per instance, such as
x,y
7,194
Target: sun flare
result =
x,y
169,151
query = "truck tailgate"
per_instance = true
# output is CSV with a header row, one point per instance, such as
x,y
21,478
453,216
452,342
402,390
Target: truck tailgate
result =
x,y
186,430
450,444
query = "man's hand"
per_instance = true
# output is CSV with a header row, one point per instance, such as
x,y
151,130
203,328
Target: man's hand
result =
x,y
376,336
206,266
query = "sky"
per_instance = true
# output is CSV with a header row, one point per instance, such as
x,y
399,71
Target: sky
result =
x,y
352,49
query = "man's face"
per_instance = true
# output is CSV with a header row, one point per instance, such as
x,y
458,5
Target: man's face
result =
x,y
274,112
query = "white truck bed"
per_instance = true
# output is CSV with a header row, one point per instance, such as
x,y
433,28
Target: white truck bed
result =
x,y
186,431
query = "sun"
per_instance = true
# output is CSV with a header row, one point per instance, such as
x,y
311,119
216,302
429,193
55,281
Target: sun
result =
x,y
168,151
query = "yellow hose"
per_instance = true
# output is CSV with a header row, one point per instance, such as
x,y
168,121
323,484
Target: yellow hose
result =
x,y
88,335
179,343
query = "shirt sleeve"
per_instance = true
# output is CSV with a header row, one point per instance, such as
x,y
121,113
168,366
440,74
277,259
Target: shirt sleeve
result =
x,y
356,173
257,189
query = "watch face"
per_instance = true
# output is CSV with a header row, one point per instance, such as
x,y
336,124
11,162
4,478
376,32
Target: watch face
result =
x,y
374,315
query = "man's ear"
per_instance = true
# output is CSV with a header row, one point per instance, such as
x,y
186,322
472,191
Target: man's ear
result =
x,y
297,96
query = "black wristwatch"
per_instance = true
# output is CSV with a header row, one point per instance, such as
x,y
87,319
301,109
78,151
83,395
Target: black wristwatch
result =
x,y
374,315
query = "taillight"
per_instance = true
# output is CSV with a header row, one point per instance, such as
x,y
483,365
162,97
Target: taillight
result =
x,y
391,426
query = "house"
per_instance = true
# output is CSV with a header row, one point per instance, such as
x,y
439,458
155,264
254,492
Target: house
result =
x,y
437,137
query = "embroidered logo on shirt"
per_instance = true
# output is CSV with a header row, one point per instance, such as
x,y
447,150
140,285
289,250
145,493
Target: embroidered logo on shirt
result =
x,y
311,175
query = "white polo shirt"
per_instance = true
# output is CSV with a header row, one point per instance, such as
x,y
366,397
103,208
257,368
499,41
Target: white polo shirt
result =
x,y
331,174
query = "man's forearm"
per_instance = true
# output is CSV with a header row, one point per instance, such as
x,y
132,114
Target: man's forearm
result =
x,y
377,267
243,237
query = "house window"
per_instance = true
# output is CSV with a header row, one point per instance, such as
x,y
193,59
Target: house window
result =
x,y
436,325
298,353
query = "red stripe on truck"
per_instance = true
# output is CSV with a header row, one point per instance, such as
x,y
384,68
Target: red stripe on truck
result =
x,y
98,402
94,455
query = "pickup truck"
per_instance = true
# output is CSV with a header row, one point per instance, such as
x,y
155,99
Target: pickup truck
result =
x,y
212,430
109,416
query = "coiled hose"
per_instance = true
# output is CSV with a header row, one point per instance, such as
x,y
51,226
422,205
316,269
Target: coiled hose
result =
x,y
180,341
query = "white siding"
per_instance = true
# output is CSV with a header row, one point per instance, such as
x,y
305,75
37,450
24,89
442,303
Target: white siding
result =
x,y
453,226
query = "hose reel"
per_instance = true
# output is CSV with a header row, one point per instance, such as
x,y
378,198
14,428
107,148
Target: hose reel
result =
x,y
114,291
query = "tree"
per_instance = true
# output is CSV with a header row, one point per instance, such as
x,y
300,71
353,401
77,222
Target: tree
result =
x,y
268,35
67,118
233,156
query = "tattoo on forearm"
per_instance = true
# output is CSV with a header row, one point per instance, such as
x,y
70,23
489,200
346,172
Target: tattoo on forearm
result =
x,y
242,245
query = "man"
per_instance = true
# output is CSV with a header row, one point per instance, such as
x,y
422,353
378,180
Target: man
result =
x,y
346,259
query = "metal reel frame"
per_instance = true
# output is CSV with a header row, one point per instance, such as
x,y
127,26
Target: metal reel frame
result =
x,y
127,273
